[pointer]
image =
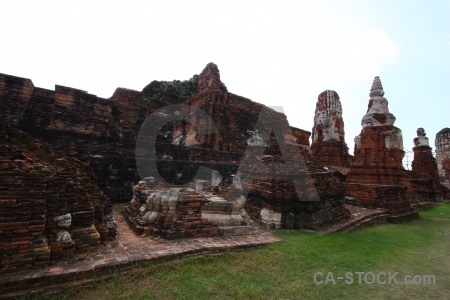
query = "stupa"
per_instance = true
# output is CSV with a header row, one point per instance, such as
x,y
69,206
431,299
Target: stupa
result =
x,y
377,178
425,182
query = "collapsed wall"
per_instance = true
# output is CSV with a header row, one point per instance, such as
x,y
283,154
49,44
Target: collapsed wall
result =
x,y
50,205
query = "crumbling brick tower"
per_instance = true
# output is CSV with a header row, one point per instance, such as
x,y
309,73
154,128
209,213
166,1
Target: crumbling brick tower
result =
x,y
377,177
425,182
328,136
442,144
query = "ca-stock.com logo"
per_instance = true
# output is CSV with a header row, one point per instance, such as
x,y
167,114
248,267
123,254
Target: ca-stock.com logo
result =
x,y
381,278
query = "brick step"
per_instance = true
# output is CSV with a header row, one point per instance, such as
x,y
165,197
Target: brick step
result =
x,y
401,218
359,217
423,206
368,220
234,230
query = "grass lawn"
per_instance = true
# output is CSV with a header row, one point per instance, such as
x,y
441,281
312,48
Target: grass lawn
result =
x,y
285,270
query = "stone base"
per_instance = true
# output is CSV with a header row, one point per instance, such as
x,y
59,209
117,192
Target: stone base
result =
x,y
224,219
223,212
314,221
184,212
270,219
235,230
402,218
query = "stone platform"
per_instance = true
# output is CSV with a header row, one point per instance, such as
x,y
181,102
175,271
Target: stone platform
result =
x,y
125,252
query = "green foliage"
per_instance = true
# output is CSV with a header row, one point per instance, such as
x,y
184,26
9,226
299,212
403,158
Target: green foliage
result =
x,y
223,87
445,130
183,90
180,89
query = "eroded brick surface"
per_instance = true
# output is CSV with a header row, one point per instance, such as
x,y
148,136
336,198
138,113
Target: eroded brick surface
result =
x,y
37,185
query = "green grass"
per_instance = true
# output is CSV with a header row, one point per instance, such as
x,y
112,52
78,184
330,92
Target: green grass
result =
x,y
285,270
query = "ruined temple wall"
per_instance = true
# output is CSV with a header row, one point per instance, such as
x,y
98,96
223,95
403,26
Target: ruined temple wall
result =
x,y
76,110
14,95
103,132
93,129
65,109
129,109
72,110
232,115
39,110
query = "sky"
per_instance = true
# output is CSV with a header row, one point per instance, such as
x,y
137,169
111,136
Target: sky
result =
x,y
279,53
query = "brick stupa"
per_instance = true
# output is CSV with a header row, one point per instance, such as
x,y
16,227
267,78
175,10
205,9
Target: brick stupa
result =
x,y
328,136
425,182
377,177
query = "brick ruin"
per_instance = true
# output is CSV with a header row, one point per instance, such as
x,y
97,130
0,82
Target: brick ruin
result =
x,y
173,213
265,143
253,167
442,144
328,135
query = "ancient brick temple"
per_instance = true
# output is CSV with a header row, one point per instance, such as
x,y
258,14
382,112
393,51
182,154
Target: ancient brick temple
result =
x,y
104,136
442,144
218,159
425,182
377,177
328,135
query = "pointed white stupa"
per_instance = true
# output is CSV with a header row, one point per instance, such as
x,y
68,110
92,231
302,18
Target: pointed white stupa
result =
x,y
378,115
378,112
